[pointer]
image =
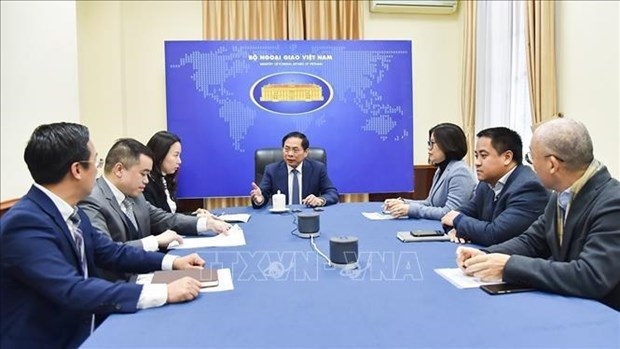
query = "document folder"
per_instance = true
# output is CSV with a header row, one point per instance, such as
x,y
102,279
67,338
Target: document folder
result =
x,y
207,277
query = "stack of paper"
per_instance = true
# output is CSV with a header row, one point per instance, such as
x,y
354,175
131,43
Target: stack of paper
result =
x,y
232,218
460,280
233,237
377,216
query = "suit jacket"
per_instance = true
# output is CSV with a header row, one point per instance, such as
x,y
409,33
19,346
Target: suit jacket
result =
x,y
45,302
587,262
155,193
485,221
448,192
314,181
106,216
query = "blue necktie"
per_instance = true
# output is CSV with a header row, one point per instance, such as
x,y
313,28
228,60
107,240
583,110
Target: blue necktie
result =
x,y
79,243
295,188
79,240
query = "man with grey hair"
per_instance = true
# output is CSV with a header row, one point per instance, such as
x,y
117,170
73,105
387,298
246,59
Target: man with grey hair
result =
x,y
574,247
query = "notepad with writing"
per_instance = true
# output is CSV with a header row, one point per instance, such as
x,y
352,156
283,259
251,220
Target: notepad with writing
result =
x,y
207,277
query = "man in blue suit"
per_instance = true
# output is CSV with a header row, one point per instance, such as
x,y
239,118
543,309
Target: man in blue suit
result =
x,y
508,197
49,289
295,174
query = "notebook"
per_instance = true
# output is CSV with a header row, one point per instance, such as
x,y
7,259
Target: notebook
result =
x,y
207,277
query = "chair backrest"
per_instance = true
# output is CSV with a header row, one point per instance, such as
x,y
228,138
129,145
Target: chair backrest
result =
x,y
266,156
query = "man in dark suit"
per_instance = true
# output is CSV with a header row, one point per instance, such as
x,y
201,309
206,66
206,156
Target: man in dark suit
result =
x,y
49,289
295,174
118,208
508,197
574,247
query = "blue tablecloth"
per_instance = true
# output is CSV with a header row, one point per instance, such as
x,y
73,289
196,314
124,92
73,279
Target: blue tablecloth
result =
x,y
286,296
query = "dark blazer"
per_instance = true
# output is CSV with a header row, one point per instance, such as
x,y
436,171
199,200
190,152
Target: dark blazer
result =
x,y
314,181
45,302
587,264
106,216
484,221
155,193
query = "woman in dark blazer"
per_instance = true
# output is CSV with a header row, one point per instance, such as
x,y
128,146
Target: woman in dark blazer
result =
x,y
453,183
162,186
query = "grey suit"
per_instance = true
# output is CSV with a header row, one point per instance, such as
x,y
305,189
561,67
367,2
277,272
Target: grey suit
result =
x,y
587,264
106,216
448,192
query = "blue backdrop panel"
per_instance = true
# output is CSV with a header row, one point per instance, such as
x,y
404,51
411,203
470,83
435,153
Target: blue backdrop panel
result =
x,y
225,99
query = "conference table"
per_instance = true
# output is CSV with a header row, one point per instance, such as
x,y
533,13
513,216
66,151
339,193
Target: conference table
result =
x,y
286,296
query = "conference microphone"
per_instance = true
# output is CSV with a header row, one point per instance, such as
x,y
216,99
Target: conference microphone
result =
x,y
343,251
308,225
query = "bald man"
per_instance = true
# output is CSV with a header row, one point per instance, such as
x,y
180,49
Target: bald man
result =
x,y
574,247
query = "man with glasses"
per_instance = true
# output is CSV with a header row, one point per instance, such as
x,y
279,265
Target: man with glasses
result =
x,y
303,181
49,286
117,206
508,197
574,247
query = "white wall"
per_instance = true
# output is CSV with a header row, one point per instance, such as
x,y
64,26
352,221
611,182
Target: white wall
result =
x,y
121,69
588,63
121,60
437,68
39,79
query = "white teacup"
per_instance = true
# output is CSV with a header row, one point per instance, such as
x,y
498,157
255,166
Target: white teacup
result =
x,y
278,201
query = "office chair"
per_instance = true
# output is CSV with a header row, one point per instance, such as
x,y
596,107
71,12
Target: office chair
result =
x,y
266,156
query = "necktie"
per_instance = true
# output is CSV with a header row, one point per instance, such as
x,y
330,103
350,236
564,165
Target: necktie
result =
x,y
79,243
295,194
79,240
129,212
563,201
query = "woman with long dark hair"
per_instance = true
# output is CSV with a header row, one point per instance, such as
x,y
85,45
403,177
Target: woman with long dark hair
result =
x,y
162,187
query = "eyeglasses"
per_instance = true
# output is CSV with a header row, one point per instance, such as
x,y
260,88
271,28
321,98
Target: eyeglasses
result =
x,y
528,157
430,144
98,163
291,150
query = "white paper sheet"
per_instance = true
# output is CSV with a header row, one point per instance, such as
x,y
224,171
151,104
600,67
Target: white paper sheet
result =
x,y
238,217
377,216
234,237
457,278
224,277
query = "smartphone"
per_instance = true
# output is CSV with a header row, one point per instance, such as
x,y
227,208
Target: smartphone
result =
x,y
505,289
421,236
420,233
